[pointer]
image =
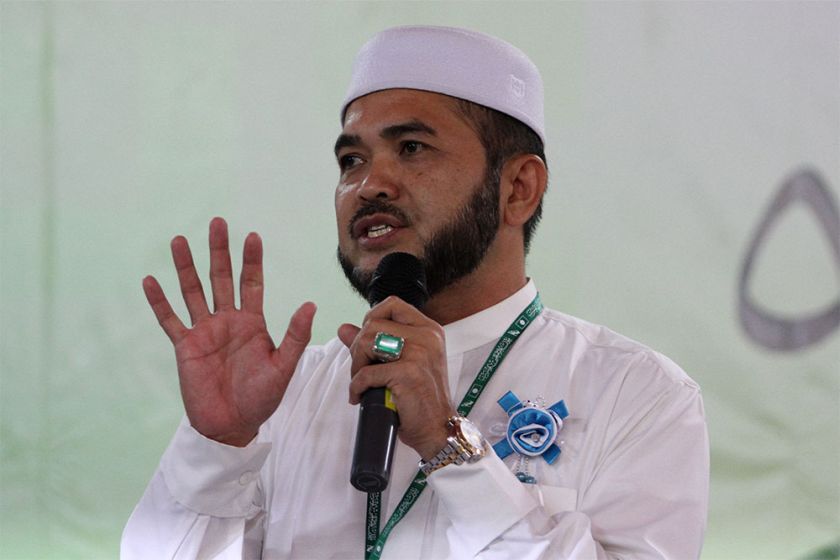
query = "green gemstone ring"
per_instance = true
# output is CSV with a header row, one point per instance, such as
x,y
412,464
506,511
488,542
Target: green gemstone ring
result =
x,y
388,347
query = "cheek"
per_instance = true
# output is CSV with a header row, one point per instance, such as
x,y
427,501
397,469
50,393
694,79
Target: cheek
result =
x,y
342,197
442,198
340,192
342,211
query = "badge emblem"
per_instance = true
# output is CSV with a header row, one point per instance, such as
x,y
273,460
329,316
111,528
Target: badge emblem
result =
x,y
532,431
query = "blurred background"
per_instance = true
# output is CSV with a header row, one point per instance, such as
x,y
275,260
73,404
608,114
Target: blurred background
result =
x,y
672,128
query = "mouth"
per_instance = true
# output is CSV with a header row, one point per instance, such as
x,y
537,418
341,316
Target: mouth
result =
x,y
375,226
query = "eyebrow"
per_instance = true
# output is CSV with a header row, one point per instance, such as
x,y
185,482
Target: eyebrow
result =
x,y
410,127
388,133
346,140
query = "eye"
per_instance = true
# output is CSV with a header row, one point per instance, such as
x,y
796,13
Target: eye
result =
x,y
412,147
348,161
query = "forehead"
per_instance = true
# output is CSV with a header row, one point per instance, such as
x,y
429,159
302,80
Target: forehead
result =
x,y
383,108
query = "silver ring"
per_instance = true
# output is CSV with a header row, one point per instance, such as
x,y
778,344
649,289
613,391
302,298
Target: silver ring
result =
x,y
387,347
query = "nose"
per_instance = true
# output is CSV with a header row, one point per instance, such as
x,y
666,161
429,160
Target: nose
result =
x,y
381,182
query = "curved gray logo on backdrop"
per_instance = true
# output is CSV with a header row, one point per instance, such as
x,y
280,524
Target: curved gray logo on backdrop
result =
x,y
765,327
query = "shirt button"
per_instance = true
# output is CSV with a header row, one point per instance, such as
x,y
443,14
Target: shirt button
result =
x,y
247,477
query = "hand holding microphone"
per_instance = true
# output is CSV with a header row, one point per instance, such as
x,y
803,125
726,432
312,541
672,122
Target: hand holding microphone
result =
x,y
417,381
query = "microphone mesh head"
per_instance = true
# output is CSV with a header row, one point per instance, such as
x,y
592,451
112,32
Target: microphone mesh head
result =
x,y
401,275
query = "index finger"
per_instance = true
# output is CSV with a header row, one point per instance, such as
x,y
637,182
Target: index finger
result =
x,y
394,309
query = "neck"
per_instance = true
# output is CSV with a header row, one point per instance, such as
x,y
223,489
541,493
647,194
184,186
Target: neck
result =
x,y
486,286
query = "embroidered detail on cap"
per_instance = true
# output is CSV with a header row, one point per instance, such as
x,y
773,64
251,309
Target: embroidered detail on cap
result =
x,y
517,86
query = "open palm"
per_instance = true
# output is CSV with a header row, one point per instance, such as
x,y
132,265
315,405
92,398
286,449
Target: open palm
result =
x,y
231,374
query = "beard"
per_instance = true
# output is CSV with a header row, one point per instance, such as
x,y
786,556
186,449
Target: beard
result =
x,y
454,251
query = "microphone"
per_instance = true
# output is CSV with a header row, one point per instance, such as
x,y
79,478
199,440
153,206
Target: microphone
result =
x,y
401,275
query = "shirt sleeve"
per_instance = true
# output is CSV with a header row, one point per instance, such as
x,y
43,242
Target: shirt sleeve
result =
x,y
204,501
646,499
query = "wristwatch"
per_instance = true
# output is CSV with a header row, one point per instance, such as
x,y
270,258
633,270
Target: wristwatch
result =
x,y
465,445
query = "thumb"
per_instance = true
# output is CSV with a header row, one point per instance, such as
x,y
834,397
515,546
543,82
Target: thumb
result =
x,y
347,333
297,337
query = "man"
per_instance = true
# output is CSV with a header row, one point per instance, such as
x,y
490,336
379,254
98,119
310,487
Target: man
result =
x,y
440,156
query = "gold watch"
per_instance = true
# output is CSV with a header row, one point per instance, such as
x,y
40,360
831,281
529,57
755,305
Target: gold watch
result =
x,y
464,445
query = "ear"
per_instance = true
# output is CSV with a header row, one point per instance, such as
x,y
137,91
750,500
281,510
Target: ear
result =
x,y
524,180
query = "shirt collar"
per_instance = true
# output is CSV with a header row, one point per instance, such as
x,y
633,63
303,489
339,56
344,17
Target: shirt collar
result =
x,y
489,324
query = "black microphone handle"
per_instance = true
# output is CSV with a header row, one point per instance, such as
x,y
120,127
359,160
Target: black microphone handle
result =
x,y
376,440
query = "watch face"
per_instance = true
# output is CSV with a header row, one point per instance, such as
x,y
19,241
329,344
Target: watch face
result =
x,y
471,434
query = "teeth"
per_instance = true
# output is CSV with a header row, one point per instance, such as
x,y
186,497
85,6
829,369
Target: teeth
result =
x,y
378,231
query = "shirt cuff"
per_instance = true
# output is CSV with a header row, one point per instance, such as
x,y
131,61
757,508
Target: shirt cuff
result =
x,y
482,499
212,478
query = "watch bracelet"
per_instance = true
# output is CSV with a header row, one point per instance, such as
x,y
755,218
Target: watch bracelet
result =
x,y
452,452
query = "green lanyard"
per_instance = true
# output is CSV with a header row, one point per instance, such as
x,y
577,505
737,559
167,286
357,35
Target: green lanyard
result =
x,y
374,538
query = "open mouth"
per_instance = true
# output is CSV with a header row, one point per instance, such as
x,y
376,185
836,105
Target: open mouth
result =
x,y
376,226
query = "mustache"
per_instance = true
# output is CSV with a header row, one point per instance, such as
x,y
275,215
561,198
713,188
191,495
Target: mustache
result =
x,y
378,207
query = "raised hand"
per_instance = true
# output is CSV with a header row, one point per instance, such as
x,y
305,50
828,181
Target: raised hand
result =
x,y
231,374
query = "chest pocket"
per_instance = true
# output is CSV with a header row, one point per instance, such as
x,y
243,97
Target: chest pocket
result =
x,y
557,488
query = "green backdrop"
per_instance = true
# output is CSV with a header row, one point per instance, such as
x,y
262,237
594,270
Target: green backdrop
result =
x,y
671,127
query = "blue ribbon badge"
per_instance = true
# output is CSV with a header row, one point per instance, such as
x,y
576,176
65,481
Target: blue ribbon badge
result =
x,y
532,430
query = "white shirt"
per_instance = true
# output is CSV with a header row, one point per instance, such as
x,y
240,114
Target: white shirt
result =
x,y
631,480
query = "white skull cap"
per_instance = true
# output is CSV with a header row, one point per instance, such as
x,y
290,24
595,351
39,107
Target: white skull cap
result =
x,y
456,62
